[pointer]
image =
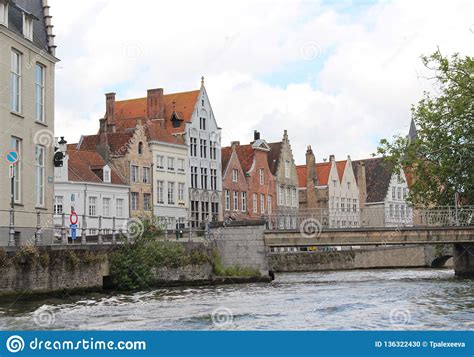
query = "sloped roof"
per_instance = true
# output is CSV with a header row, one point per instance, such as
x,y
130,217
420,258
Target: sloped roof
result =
x,y
245,153
274,156
118,142
156,132
128,111
377,176
15,20
81,164
226,153
341,166
322,173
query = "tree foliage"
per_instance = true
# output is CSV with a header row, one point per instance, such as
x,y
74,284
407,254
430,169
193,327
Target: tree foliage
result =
x,y
440,157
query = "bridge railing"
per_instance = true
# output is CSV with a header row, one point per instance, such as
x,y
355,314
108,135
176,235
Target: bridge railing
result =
x,y
376,217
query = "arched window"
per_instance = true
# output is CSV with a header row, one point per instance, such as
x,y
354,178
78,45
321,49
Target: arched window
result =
x,y
140,148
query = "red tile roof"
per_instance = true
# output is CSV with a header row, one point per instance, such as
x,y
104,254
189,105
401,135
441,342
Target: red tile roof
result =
x,y
340,165
118,142
322,173
245,153
156,132
226,153
128,111
81,164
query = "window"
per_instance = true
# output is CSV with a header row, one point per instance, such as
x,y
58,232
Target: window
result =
x,y
261,176
243,204
146,175
294,201
193,147
106,175
15,76
92,206
134,201
159,192
16,146
203,146
287,197
204,211
119,204
281,195
287,169
180,191
202,123
269,204
337,203
236,200
262,203
333,183
397,211
235,175
348,185
194,177
171,164
27,27
391,211
171,193
399,193
58,204
213,179
404,193
343,204
255,208
194,213
134,173
39,92
202,102
180,165
146,201
213,150
140,148
160,162
39,167
354,205
203,178
227,200
106,207
215,211
393,193
402,211
3,13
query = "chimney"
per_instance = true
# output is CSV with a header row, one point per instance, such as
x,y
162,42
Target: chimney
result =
x,y
110,111
235,143
310,179
361,183
332,158
285,135
154,103
256,135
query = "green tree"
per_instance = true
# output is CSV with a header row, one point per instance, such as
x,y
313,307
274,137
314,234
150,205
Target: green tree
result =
x,y
440,155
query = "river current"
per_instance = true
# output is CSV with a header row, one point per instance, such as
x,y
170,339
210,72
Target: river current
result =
x,y
336,300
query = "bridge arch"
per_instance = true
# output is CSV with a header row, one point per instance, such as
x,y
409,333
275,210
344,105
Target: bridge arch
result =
x,y
440,262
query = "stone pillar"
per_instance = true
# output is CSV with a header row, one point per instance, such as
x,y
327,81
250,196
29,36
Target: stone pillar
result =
x,y
464,260
311,179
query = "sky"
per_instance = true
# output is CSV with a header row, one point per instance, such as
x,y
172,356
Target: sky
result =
x,y
338,75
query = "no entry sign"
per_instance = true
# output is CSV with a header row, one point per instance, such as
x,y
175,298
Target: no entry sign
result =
x,y
12,157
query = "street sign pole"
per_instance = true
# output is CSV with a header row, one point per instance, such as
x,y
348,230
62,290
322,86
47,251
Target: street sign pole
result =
x,y
12,159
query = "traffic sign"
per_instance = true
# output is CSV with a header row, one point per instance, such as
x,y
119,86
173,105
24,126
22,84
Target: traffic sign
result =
x,y
73,231
73,218
12,157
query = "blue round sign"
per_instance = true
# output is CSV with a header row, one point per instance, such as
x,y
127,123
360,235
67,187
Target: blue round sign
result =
x,y
12,157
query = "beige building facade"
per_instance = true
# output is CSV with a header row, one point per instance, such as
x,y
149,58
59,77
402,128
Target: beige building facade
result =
x,y
27,68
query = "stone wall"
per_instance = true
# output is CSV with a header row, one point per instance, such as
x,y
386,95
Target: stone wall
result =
x,y
389,257
241,243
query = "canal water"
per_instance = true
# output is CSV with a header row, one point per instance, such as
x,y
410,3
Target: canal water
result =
x,y
338,300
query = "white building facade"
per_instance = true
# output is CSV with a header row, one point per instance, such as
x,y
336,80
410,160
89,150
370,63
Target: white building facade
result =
x,y
170,181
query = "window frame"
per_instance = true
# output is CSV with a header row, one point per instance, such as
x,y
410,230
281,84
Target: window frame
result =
x,y
40,174
40,100
16,77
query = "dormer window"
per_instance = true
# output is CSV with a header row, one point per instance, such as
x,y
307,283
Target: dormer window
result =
x,y
3,13
106,174
28,27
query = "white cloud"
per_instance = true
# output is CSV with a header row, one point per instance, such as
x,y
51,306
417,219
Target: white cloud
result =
x,y
369,76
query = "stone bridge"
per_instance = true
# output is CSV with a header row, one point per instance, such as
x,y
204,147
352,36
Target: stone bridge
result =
x,y
249,243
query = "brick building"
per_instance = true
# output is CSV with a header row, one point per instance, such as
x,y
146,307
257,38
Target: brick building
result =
x,y
259,180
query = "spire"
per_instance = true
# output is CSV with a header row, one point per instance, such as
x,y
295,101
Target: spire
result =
x,y
412,133
202,81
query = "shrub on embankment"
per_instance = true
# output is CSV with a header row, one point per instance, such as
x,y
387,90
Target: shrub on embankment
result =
x,y
132,265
